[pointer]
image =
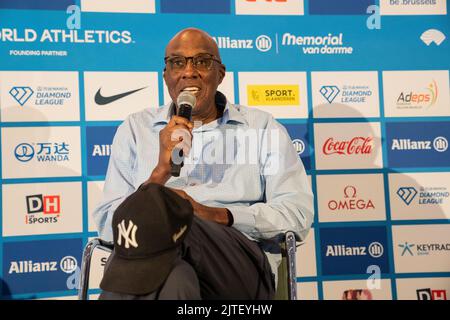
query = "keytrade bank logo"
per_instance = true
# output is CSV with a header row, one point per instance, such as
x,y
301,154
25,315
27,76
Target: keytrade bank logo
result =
x,y
352,250
262,43
424,249
42,209
99,142
273,95
418,144
40,266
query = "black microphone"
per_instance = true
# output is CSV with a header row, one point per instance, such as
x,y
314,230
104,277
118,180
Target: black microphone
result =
x,y
186,101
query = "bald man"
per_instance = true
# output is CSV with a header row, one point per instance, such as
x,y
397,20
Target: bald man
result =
x,y
240,207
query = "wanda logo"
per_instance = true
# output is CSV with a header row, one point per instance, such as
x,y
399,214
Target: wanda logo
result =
x,y
358,145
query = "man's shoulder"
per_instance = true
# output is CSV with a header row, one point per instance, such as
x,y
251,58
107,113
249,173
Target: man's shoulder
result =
x,y
147,115
255,118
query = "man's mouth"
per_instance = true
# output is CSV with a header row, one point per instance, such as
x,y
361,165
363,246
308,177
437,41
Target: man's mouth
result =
x,y
193,90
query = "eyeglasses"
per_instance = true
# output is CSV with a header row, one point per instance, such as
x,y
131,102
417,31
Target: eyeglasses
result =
x,y
201,62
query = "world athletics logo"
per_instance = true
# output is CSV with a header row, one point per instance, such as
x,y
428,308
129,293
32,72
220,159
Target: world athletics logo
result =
x,y
21,94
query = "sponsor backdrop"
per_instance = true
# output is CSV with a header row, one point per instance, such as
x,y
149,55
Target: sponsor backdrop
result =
x,y
362,87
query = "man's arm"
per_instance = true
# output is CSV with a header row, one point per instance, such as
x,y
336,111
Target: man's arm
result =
x,y
119,181
288,203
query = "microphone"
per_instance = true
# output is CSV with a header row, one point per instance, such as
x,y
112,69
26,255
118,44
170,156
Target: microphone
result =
x,y
185,101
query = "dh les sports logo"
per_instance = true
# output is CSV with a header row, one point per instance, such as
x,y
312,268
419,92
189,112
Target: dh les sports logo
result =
x,y
429,294
43,209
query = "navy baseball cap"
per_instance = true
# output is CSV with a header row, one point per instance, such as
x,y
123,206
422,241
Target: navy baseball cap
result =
x,y
148,227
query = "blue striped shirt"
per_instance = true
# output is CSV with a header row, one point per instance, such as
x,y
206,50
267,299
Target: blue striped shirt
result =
x,y
243,161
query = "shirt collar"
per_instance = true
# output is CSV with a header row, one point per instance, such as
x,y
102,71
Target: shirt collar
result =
x,y
231,113
164,114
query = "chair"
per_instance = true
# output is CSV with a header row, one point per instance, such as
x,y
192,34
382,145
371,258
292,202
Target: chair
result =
x,y
286,287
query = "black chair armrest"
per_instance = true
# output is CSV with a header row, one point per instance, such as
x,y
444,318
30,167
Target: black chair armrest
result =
x,y
86,263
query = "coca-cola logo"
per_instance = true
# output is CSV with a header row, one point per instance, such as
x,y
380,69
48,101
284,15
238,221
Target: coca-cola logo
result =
x,y
350,202
357,145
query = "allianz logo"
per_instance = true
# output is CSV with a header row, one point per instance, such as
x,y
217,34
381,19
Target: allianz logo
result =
x,y
263,43
440,144
68,264
375,250
101,150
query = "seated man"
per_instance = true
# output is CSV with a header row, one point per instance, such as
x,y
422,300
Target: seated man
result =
x,y
241,176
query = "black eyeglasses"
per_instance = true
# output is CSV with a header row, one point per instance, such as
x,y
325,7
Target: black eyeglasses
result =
x,y
201,62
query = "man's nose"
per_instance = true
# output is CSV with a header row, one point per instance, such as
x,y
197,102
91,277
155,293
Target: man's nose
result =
x,y
190,71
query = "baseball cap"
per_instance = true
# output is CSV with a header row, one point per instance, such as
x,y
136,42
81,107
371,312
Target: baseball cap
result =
x,y
148,227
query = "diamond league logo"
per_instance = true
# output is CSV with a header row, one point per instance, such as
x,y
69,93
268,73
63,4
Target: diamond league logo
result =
x,y
21,94
407,194
329,92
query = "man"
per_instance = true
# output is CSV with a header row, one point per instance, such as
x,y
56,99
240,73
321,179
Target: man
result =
x,y
239,206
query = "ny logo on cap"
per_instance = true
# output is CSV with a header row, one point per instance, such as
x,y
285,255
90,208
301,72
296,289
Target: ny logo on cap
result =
x,y
128,234
177,235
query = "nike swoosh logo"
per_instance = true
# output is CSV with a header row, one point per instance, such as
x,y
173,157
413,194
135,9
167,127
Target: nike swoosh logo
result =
x,y
101,100
178,234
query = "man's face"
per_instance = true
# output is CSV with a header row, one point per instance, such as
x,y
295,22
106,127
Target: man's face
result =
x,y
202,83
